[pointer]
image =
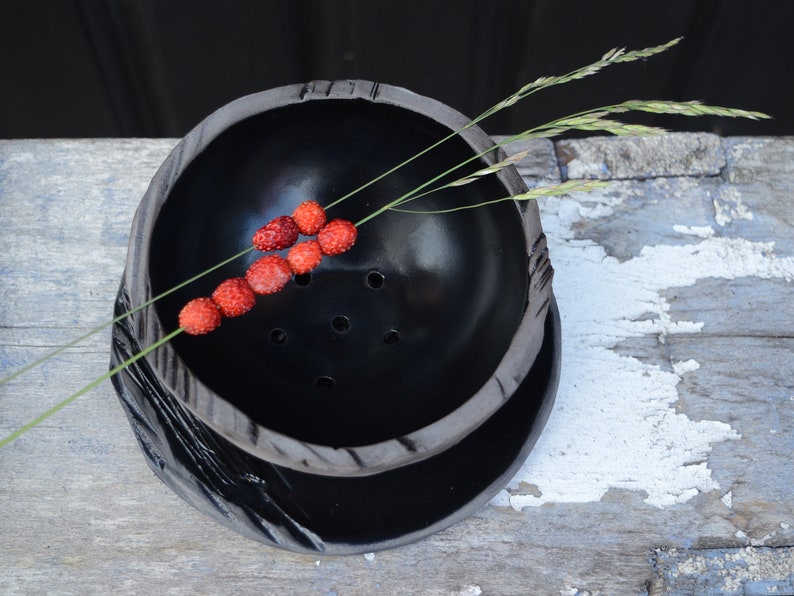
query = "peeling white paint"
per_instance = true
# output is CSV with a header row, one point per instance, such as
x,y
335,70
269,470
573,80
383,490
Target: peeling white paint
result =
x,y
699,231
764,539
473,590
728,206
614,424
572,591
727,499
734,571
687,366
583,168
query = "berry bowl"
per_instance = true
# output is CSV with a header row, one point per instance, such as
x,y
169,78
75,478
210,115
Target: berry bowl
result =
x,y
384,395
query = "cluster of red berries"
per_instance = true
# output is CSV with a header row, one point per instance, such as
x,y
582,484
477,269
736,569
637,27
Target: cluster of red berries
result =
x,y
269,274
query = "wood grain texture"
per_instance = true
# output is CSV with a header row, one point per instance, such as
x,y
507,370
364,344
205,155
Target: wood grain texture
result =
x,y
725,572
81,512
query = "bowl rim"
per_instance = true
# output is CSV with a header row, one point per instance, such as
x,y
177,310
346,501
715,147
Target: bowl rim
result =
x,y
279,448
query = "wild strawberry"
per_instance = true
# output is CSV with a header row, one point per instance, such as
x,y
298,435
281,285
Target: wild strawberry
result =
x,y
269,274
337,236
277,234
304,257
310,217
199,316
234,297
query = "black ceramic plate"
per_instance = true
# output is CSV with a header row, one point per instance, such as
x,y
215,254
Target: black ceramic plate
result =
x,y
322,514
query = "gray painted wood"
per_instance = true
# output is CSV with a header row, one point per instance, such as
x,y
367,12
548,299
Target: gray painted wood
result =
x,y
685,274
724,572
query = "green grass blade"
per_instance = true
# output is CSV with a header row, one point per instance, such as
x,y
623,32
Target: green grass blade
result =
x,y
533,194
119,318
61,405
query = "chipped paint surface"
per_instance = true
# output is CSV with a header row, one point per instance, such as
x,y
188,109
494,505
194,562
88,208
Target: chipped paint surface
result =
x,y
614,424
728,206
467,590
726,571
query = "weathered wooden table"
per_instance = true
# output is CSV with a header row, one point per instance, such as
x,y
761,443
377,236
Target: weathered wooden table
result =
x,y
666,468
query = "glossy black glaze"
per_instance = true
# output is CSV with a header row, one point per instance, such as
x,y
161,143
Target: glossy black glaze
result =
x,y
386,395
450,293
322,514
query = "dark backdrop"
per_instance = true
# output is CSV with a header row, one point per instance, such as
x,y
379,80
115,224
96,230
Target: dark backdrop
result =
x,y
95,68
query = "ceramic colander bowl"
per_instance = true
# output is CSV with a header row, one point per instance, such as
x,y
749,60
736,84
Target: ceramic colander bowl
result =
x,y
381,360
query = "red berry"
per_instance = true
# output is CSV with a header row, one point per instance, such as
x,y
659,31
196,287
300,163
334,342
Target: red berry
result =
x,y
277,234
199,316
268,275
234,297
337,236
310,217
304,257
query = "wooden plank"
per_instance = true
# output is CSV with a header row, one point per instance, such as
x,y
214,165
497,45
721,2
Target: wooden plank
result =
x,y
673,425
615,158
539,164
725,572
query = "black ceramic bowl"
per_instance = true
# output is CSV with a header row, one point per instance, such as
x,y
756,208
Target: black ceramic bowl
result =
x,y
386,356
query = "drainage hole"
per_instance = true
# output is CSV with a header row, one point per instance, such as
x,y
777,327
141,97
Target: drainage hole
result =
x,y
303,279
375,280
278,336
325,382
391,337
340,323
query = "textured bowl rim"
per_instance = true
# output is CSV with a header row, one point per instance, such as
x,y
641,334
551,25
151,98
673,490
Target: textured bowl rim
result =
x,y
279,448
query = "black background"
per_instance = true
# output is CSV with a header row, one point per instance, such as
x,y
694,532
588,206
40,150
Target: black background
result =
x,y
150,68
